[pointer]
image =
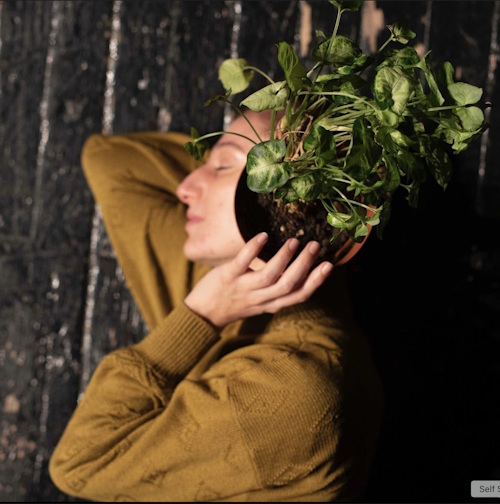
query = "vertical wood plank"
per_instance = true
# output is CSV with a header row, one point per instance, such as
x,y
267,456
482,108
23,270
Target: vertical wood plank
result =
x,y
25,41
488,173
263,26
65,209
48,231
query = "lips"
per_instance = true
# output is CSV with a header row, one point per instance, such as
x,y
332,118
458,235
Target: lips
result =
x,y
193,218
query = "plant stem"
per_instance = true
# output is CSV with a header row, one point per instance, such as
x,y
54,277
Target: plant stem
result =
x,y
318,64
383,46
242,114
338,93
344,197
255,69
446,107
220,133
273,119
335,29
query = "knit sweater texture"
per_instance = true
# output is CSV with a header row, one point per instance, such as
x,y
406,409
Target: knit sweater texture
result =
x,y
272,408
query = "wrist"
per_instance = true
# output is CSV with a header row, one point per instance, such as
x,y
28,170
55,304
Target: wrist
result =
x,y
203,313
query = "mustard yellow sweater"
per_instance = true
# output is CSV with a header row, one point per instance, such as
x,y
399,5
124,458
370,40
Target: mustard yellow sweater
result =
x,y
274,408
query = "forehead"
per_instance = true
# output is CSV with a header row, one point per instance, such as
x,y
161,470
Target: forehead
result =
x,y
228,144
237,143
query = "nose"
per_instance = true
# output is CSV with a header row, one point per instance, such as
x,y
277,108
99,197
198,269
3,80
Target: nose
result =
x,y
191,187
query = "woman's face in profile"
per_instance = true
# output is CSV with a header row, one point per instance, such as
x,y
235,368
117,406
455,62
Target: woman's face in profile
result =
x,y
213,234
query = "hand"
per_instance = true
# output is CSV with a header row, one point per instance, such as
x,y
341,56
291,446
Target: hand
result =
x,y
232,291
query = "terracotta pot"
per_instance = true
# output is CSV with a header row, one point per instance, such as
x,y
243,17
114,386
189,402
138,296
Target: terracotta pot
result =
x,y
254,216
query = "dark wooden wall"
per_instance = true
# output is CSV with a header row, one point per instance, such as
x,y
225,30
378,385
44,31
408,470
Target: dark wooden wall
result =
x,y
427,295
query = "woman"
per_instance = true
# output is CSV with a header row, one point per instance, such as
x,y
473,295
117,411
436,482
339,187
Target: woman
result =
x,y
244,389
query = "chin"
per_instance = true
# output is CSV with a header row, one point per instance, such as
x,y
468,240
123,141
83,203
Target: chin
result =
x,y
197,255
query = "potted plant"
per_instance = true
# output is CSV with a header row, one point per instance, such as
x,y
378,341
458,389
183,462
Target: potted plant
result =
x,y
345,135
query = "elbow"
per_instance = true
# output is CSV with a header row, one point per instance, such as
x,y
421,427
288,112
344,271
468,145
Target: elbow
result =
x,y
69,467
93,145
57,472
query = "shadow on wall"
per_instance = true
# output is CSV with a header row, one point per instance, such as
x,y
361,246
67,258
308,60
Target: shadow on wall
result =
x,y
427,296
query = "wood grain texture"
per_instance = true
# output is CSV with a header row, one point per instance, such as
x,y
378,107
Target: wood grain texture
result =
x,y
72,68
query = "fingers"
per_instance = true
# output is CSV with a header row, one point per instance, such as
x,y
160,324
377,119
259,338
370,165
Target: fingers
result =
x,y
280,283
298,270
275,267
295,274
312,282
248,253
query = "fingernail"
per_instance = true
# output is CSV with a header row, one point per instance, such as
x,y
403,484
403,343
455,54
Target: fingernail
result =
x,y
327,269
262,238
293,244
314,248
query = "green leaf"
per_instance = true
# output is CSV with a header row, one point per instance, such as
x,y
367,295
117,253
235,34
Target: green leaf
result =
x,y
320,34
305,186
459,140
339,52
384,139
435,97
375,220
439,164
360,63
266,169
388,118
400,33
472,118
350,84
450,129
410,166
354,223
286,193
389,174
197,148
323,143
217,98
335,221
295,72
424,143
271,97
445,74
233,75
385,216
361,230
400,139
347,5
364,154
405,57
336,81
464,94
392,89
342,220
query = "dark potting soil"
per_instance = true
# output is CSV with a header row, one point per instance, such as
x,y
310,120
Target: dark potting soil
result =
x,y
303,220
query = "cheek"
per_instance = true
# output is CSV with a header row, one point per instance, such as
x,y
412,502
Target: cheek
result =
x,y
225,221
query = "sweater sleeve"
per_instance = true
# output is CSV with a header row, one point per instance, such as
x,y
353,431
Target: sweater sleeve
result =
x,y
133,179
259,424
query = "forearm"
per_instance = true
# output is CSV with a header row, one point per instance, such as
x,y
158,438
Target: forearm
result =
x,y
128,391
150,163
133,179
